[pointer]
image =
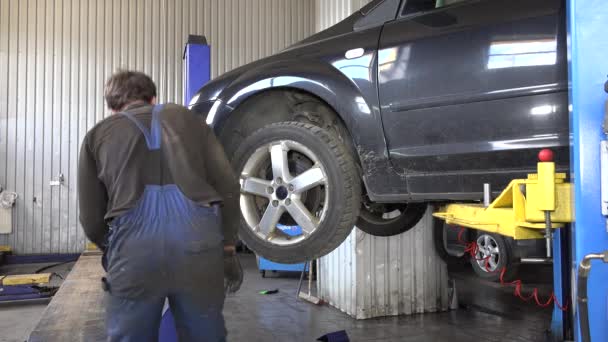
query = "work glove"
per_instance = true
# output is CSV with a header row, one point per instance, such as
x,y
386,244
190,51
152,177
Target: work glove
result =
x,y
233,273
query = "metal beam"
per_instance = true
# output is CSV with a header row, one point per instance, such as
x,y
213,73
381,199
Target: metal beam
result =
x,y
588,67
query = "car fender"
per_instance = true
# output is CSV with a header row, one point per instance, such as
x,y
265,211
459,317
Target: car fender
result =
x,y
357,107
317,78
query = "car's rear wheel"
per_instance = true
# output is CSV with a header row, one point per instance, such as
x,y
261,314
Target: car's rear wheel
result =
x,y
388,219
494,253
296,174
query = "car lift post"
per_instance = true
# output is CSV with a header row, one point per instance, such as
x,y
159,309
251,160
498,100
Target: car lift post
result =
x,y
588,67
197,66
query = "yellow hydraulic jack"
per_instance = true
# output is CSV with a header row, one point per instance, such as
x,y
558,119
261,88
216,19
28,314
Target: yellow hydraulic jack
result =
x,y
527,209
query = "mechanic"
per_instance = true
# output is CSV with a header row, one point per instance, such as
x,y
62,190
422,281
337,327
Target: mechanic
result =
x,y
151,182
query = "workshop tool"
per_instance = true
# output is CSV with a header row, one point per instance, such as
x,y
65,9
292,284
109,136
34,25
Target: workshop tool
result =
x,y
25,286
25,279
19,293
307,296
301,280
265,265
269,292
527,209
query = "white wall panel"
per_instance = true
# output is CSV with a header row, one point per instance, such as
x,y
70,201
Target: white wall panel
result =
x,y
370,276
330,12
54,59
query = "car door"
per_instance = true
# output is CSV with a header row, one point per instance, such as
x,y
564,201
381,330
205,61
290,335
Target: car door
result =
x,y
470,91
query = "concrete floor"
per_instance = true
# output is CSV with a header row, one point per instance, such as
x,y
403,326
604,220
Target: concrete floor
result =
x,y
488,311
17,320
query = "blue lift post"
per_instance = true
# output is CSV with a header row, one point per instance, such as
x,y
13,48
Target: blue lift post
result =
x,y
197,66
197,72
588,66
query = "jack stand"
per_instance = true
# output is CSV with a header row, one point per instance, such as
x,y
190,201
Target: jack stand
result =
x,y
527,209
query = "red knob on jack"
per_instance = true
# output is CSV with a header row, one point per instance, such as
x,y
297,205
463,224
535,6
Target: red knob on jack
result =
x,y
545,155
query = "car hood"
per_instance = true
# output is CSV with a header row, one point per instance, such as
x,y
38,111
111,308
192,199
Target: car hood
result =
x,y
213,89
341,28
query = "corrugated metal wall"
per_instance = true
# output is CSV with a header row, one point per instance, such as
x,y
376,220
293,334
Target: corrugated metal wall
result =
x,y
54,58
329,12
371,276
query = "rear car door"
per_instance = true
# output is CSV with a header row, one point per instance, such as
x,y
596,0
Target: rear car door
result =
x,y
471,90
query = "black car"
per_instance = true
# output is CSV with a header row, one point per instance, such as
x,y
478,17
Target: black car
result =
x,y
401,104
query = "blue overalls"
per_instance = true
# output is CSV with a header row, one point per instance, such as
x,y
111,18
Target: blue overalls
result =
x,y
165,247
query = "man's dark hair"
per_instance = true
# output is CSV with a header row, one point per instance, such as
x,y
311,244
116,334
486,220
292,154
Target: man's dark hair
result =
x,y
126,87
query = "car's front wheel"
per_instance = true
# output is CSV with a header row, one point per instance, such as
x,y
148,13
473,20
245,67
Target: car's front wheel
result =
x,y
299,191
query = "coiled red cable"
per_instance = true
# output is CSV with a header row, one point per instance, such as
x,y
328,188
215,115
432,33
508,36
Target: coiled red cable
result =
x,y
471,248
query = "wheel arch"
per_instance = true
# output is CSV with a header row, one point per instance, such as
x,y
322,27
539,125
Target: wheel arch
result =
x,y
313,77
297,105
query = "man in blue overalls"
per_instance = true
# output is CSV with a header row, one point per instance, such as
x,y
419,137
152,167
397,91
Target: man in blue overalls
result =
x,y
159,197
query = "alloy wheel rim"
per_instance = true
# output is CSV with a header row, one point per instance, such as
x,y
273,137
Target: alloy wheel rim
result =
x,y
284,193
488,253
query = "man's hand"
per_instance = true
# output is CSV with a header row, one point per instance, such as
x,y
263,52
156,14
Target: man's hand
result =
x,y
233,273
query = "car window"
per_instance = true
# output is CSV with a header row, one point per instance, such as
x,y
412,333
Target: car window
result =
x,y
414,6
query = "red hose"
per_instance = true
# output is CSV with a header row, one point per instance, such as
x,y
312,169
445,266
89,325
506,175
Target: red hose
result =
x,y
472,248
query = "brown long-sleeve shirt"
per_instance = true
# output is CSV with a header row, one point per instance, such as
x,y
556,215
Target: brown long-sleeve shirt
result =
x,y
115,165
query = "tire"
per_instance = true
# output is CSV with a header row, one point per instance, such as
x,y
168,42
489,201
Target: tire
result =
x,y
502,257
376,222
442,241
325,200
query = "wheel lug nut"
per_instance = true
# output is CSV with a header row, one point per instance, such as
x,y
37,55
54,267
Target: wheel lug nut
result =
x,y
290,187
279,180
287,201
270,190
275,203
